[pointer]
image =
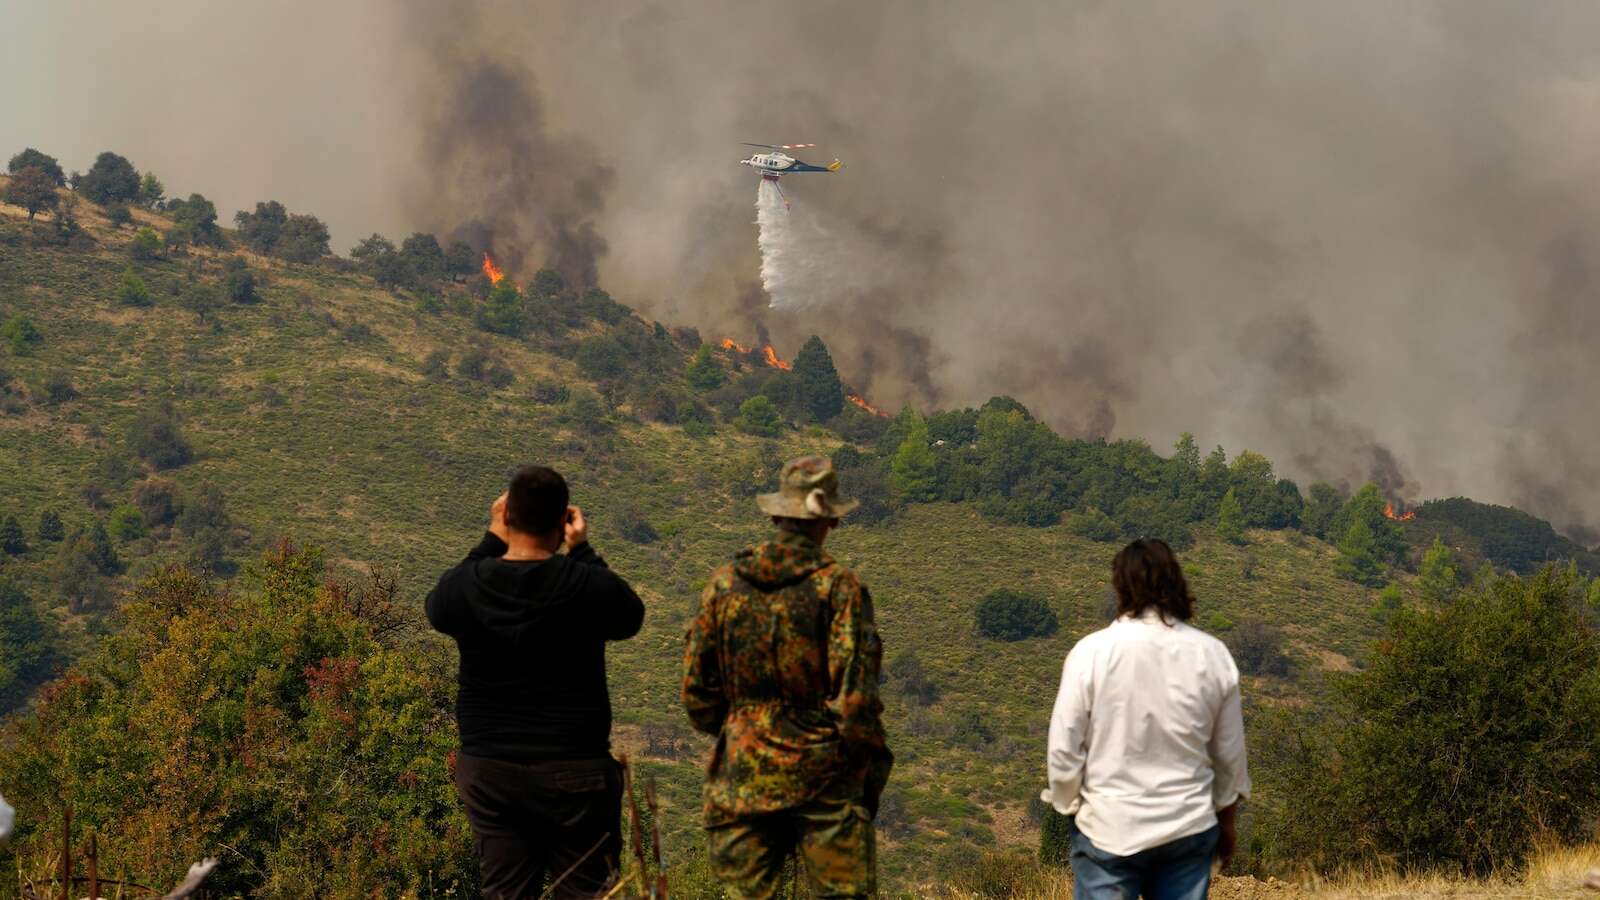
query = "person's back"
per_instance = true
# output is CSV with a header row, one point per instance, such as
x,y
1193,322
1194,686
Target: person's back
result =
x,y
781,665
1146,748
535,772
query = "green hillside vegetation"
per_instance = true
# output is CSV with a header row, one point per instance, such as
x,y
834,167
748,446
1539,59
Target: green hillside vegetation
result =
x,y
175,392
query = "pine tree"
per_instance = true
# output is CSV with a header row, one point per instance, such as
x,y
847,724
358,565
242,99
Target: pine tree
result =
x,y
914,471
133,291
1437,578
11,539
1230,518
1358,561
1390,599
502,311
703,373
50,527
820,389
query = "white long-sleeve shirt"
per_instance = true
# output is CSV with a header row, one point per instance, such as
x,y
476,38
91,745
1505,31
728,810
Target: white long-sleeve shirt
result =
x,y
1147,738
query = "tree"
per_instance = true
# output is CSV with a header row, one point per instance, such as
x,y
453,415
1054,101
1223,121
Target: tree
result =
x,y
601,358
423,258
1470,737
32,190
1230,518
1092,524
151,191
757,415
50,528
261,229
125,523
112,179
1007,615
12,540
914,470
156,438
1257,648
271,230
1390,600
820,389
502,311
1438,579
33,159
27,647
195,221
118,214
1358,560
1369,506
132,291
21,335
704,373
157,501
202,300
240,283
146,245
460,260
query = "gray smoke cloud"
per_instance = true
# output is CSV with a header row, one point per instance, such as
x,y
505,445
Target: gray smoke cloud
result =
x,y
1355,238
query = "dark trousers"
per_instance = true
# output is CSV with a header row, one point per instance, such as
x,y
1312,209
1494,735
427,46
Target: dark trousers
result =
x,y
558,819
1176,870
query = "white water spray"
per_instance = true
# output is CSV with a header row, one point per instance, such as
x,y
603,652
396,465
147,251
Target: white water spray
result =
x,y
797,254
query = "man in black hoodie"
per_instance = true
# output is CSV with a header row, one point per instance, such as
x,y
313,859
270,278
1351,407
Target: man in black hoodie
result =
x,y
535,771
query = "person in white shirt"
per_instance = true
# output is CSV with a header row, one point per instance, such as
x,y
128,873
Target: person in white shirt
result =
x,y
1146,751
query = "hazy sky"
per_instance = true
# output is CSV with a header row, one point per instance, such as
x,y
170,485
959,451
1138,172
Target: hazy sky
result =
x,y
1356,237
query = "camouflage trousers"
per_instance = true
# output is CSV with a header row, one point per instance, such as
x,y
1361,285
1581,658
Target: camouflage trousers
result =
x,y
832,835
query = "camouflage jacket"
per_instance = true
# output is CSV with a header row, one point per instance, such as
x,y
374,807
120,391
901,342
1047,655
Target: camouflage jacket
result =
x,y
781,665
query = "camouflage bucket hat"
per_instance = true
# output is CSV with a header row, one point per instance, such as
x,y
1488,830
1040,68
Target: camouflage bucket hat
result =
x,y
808,488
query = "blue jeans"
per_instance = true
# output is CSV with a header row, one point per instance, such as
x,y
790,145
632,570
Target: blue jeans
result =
x,y
1176,870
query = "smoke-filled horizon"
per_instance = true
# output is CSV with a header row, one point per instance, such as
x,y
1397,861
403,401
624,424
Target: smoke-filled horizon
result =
x,y
1355,238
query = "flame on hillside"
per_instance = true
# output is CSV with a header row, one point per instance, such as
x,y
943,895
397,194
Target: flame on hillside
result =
x,y
490,270
773,360
1389,513
730,344
862,402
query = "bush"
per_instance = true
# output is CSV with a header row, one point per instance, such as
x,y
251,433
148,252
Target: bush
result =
x,y
585,412
156,438
56,390
12,540
1257,649
50,528
21,335
549,393
436,366
911,681
240,285
132,291
118,214
1091,524
634,527
44,162
146,245
125,523
602,359
1471,736
758,416
157,501
1007,615
112,179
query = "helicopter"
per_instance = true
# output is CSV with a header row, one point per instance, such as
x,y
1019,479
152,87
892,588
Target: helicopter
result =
x,y
778,163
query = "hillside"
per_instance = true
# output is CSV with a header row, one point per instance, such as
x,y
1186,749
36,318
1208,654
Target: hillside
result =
x,y
320,414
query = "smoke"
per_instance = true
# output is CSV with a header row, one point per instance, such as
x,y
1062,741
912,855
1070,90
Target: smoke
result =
x,y
796,254
1355,238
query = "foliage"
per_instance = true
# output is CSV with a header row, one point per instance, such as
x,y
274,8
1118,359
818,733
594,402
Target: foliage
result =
x,y
32,190
202,299
634,527
50,527
273,231
240,283
1358,556
284,721
125,523
28,646
821,393
151,191
44,162
502,312
1438,579
586,412
118,214
1368,505
909,679
1473,733
1092,524
146,245
194,221
1509,538
1257,648
913,471
20,334
601,358
112,179
704,373
758,416
1322,506
155,437
132,291
1230,518
1390,599
12,540
1008,615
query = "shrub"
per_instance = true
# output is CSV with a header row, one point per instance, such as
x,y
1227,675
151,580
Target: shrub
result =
x,y
21,335
112,179
1091,524
585,412
118,214
1007,615
502,311
549,393
704,373
146,245
157,501
56,390
911,681
125,523
758,416
634,527
1471,735
240,285
436,366
602,359
50,528
156,438
44,162
1257,649
1216,623
12,540
132,291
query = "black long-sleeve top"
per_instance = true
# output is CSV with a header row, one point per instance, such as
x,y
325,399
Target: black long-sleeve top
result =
x,y
532,637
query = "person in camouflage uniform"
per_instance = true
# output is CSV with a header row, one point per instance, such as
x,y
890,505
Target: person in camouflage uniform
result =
x,y
781,666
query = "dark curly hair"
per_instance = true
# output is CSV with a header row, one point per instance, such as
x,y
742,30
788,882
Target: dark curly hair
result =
x,y
1146,574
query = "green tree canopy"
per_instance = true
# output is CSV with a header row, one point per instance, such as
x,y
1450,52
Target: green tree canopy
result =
x,y
151,191
155,437
1358,557
1008,615
1368,505
1231,518
12,540
32,190
914,470
1438,579
821,393
195,220
44,162
50,528
146,245
502,311
758,415
112,179
704,373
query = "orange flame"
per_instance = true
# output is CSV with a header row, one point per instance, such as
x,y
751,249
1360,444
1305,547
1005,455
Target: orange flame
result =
x,y
491,270
773,360
1389,513
862,402
729,344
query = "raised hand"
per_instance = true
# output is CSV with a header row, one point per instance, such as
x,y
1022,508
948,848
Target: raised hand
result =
x,y
577,527
497,519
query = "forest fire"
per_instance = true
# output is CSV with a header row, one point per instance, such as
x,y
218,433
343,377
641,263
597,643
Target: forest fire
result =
x,y
1389,513
492,271
730,344
773,360
862,402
